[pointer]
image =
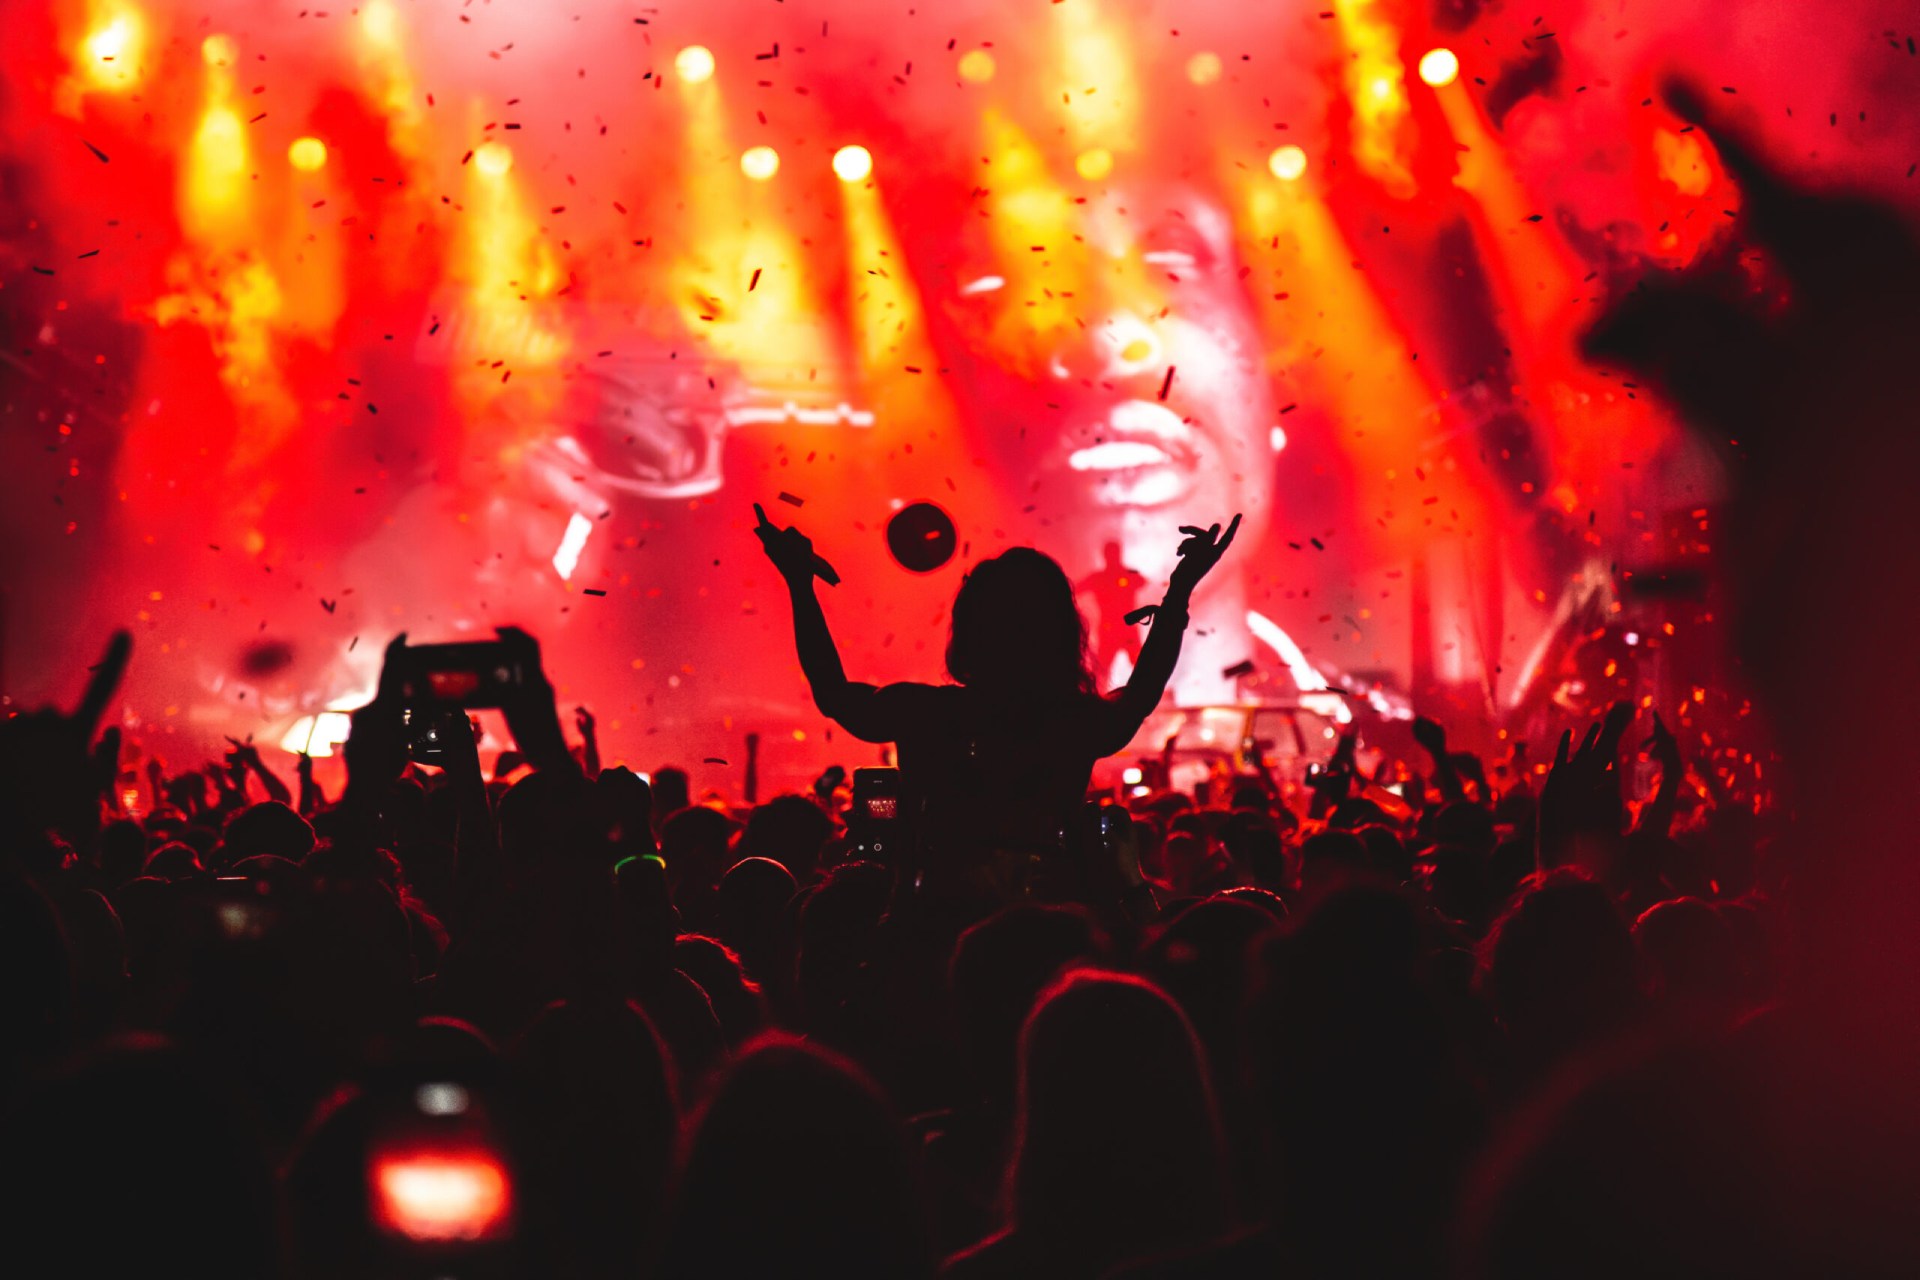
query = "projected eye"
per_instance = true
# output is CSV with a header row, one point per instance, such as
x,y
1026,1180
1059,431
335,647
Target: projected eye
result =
x,y
985,284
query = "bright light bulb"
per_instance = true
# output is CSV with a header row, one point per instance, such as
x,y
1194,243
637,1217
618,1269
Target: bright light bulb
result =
x,y
307,154
1287,163
976,66
380,22
1094,164
1203,68
493,159
219,51
694,63
110,41
759,163
1438,67
852,163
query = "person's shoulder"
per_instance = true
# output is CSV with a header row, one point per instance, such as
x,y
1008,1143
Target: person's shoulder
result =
x,y
995,1256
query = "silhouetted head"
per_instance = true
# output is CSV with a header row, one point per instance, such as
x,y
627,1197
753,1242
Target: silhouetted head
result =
x,y
1118,1149
791,830
998,968
797,1166
598,1121
1559,965
1016,628
672,792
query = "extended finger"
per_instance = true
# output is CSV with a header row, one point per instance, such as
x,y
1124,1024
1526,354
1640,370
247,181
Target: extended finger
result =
x,y
760,515
104,682
1231,530
1560,752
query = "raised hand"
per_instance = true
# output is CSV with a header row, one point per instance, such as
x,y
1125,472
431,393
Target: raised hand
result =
x,y
1580,800
1199,552
791,551
531,715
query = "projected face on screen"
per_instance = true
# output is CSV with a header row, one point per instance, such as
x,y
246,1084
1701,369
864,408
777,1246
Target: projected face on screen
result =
x,y
1107,356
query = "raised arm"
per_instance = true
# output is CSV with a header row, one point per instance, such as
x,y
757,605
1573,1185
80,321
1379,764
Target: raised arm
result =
x,y
1200,551
858,708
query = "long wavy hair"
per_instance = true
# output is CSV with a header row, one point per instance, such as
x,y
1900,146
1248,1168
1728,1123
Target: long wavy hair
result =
x,y
1016,629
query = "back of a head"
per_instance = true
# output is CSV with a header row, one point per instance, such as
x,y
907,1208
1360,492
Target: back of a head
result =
x,y
999,967
672,791
1116,1113
1016,628
1559,965
1689,957
797,1166
269,827
599,1123
791,830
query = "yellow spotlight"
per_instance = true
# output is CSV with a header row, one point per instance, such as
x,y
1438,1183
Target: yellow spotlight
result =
x,y
976,66
307,154
219,51
759,163
694,63
1438,67
493,159
110,42
1094,163
380,22
852,163
1287,163
1203,68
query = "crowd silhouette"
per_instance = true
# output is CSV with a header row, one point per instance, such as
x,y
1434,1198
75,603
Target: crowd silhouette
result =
x,y
568,1020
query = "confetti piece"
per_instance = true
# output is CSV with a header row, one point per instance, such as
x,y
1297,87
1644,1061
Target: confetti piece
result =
x,y
593,591
99,155
1167,385
329,605
754,281
90,253
713,760
790,500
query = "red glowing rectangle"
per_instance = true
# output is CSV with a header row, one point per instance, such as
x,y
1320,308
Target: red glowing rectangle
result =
x,y
442,1196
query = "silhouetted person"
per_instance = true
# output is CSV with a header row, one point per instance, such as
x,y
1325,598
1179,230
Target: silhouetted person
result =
x,y
796,1166
1118,1152
995,765
1116,589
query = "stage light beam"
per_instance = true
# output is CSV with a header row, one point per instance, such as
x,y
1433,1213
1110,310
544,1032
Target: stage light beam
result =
x,y
493,159
694,64
1287,163
1439,67
976,66
308,155
1094,163
853,163
759,163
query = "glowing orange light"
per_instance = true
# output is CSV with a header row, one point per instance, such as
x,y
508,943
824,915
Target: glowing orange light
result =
x,y
1203,68
1439,68
444,1196
853,163
307,154
759,163
1287,163
694,63
219,51
493,159
976,66
1094,163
